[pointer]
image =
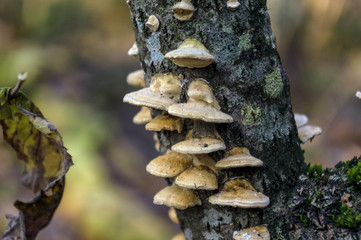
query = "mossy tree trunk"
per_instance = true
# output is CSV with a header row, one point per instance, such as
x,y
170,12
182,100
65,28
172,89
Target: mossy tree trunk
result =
x,y
250,84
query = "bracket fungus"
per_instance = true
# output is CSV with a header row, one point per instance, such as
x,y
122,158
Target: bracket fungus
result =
x,y
238,157
152,23
204,160
199,145
179,236
183,10
201,105
177,197
233,4
170,164
306,132
143,116
200,177
165,122
133,51
191,54
164,90
136,78
358,94
239,193
173,215
253,233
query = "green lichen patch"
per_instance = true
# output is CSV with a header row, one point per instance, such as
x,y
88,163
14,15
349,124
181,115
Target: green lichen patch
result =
x,y
251,116
244,42
348,218
274,85
354,175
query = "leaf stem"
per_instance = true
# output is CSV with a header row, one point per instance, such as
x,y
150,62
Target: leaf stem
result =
x,y
21,79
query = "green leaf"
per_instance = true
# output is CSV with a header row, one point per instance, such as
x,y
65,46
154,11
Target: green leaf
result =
x,y
38,143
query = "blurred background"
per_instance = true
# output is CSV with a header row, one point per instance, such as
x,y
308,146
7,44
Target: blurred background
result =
x,y
75,52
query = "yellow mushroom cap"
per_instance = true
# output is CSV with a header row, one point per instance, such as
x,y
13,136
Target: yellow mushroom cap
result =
x,y
200,177
233,4
201,105
191,54
204,160
199,146
183,10
165,122
239,193
177,197
143,116
152,23
179,236
301,119
253,233
238,157
173,215
163,91
308,132
136,78
169,165
133,51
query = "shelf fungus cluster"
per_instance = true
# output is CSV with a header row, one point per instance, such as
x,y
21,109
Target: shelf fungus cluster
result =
x,y
306,132
187,164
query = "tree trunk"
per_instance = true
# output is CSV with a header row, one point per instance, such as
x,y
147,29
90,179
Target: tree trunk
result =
x,y
251,85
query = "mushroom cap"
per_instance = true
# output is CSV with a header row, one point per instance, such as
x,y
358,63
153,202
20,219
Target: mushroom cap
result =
x,y
199,110
239,193
163,91
253,233
301,119
199,146
156,142
152,23
308,132
143,116
233,4
179,236
200,177
199,90
173,215
238,157
191,54
136,78
165,122
358,94
133,51
204,160
169,165
177,197
183,10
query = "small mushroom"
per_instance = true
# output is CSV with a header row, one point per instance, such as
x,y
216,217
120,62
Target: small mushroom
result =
x,y
306,132
183,10
358,94
152,23
179,236
204,160
200,177
143,116
239,193
164,90
191,54
173,215
133,51
201,105
136,78
253,233
238,157
157,142
165,122
169,165
199,145
233,4
177,197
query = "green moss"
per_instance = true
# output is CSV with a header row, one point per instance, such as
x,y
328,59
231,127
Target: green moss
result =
x,y
251,116
244,42
304,220
348,218
315,171
279,235
274,84
354,175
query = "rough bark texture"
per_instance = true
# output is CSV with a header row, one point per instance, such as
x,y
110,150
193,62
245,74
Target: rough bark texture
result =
x,y
250,84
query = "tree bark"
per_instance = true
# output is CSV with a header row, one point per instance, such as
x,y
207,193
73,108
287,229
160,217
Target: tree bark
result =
x,y
251,85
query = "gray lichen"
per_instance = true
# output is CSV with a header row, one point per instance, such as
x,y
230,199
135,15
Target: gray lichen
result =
x,y
244,42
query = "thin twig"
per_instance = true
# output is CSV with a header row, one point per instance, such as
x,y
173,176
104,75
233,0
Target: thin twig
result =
x,y
21,79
